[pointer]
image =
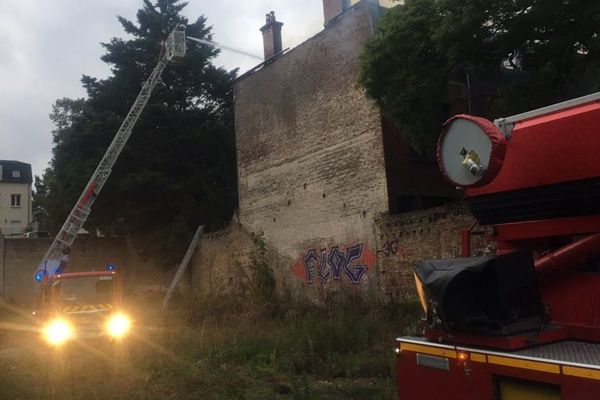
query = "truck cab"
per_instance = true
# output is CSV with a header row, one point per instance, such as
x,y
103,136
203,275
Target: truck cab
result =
x,y
80,305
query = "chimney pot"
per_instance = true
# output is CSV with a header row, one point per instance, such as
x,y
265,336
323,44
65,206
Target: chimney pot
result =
x,y
271,35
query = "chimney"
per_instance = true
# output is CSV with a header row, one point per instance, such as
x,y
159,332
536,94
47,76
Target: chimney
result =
x,y
333,8
272,35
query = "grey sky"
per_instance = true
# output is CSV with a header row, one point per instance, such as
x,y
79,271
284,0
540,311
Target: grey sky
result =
x,y
47,45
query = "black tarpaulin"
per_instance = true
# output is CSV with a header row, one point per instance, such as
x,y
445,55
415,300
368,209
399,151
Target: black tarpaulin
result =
x,y
482,293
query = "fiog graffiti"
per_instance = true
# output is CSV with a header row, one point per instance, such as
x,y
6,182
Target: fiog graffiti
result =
x,y
335,262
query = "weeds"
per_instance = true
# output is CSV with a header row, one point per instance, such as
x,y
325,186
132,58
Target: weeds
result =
x,y
300,352
251,345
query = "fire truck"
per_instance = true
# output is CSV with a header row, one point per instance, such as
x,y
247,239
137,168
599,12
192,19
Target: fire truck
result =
x,y
524,323
80,305
77,305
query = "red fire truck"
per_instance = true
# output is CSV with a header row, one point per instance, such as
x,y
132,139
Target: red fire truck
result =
x,y
525,323
80,305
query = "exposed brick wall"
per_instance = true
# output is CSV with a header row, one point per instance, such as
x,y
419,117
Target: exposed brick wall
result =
x,y
272,41
331,9
217,265
309,146
20,258
406,238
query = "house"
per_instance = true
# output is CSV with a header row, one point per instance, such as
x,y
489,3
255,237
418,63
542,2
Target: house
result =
x,y
321,172
15,197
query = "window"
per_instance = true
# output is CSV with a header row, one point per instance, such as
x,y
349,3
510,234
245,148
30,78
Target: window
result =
x,y
16,174
15,200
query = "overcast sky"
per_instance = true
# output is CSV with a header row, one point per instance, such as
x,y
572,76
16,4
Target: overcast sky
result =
x,y
47,45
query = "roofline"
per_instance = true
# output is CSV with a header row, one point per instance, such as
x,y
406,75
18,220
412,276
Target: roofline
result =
x,y
333,21
14,161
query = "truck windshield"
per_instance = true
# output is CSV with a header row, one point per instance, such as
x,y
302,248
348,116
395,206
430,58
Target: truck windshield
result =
x,y
84,290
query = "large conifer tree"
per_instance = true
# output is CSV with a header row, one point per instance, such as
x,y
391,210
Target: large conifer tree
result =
x,y
178,168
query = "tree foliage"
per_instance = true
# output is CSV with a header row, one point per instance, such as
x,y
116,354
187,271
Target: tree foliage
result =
x,y
553,45
178,168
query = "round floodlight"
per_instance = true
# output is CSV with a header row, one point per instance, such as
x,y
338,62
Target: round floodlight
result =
x,y
470,151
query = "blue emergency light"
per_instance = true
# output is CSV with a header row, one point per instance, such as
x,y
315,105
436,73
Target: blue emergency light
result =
x,y
111,267
39,276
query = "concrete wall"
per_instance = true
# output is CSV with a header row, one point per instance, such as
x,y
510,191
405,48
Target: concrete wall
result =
x,y
19,259
310,156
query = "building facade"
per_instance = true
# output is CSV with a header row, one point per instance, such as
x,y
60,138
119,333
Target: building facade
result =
x,y
318,164
15,197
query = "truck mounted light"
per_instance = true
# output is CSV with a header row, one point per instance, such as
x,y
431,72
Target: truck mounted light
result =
x,y
118,325
58,332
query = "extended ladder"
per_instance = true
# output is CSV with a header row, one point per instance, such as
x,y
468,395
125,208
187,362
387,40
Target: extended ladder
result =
x,y
174,47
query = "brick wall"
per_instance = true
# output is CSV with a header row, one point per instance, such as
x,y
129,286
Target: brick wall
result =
x,y
217,265
19,259
310,153
429,234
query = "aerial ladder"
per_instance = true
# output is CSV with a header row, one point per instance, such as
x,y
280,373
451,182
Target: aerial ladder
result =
x,y
173,48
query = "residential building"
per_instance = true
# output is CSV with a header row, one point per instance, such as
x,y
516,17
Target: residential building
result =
x,y
15,197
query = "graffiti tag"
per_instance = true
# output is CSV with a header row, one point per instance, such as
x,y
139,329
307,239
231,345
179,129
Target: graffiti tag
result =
x,y
334,263
392,247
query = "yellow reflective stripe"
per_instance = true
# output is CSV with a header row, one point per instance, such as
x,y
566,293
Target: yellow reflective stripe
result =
x,y
428,350
507,361
581,372
88,307
525,364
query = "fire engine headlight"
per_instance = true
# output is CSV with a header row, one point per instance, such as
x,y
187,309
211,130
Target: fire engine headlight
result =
x,y
118,325
58,332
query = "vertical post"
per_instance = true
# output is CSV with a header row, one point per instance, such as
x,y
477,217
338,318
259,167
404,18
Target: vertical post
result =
x,y
465,242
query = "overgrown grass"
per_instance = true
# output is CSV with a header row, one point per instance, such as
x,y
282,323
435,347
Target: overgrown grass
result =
x,y
251,345
343,349
214,347
258,344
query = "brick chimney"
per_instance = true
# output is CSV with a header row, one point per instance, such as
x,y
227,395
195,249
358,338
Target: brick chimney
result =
x,y
272,35
333,8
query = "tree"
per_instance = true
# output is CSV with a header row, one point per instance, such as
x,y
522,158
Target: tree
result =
x,y
552,45
178,168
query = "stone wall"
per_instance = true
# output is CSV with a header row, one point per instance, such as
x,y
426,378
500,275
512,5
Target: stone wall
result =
x,y
404,239
310,156
218,263
19,259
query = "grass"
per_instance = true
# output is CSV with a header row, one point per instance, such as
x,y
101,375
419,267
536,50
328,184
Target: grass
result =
x,y
220,347
219,350
256,344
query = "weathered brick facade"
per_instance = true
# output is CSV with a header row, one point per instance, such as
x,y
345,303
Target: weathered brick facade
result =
x,y
309,147
319,169
221,260
404,239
